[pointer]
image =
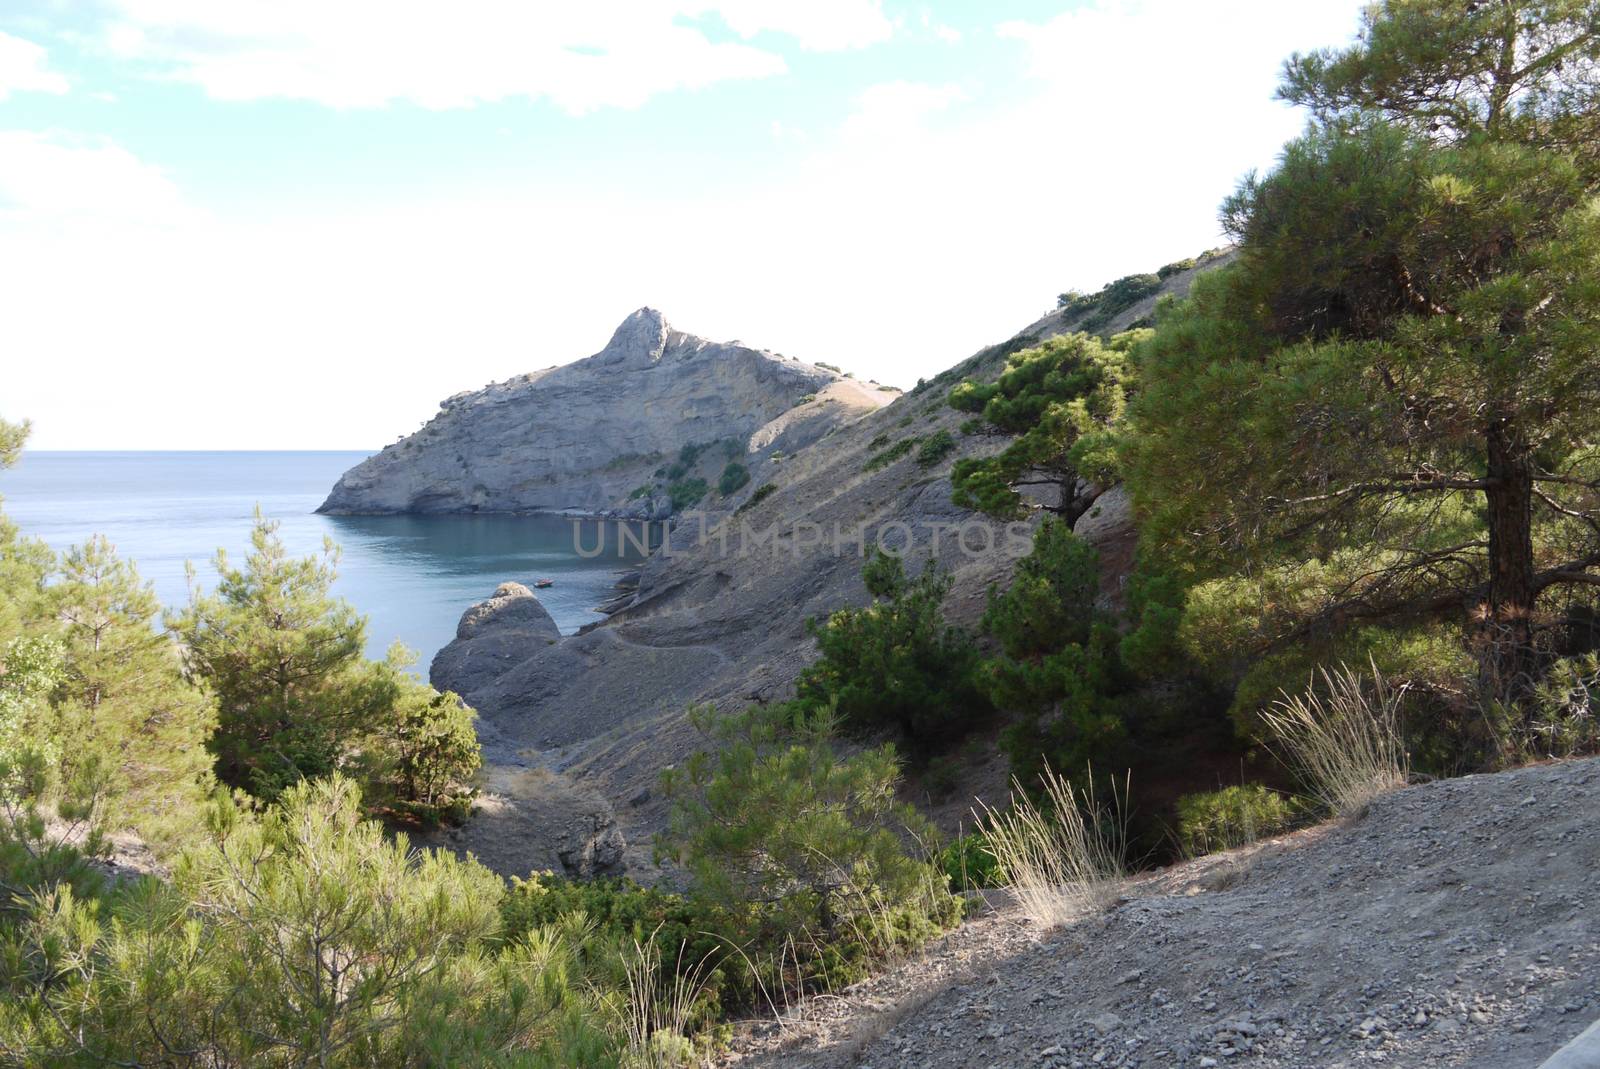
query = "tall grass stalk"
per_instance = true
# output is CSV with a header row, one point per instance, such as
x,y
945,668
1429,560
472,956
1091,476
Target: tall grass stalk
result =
x,y
1342,739
658,1019
1061,861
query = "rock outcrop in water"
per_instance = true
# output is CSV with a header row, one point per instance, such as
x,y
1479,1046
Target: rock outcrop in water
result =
x,y
592,435
492,637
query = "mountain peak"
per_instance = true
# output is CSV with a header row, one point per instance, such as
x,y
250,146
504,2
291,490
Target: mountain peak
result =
x,y
639,339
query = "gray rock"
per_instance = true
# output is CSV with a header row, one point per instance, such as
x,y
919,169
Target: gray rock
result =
x,y
493,637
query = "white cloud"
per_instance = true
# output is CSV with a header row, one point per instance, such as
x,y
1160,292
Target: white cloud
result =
x,y
935,220
818,25
893,111
25,68
368,53
55,179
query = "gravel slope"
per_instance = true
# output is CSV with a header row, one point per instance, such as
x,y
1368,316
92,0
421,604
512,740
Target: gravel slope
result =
x,y
1456,924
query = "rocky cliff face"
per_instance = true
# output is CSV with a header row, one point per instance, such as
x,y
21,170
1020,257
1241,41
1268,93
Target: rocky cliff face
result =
x,y
588,436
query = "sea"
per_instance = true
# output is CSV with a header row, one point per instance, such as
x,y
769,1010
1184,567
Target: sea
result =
x,y
412,576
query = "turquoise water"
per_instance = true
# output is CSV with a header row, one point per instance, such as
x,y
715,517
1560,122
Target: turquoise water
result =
x,y
412,575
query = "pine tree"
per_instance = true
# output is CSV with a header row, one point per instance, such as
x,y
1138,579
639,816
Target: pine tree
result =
x,y
427,750
1458,71
125,704
1058,668
787,835
1385,410
285,661
896,663
1060,401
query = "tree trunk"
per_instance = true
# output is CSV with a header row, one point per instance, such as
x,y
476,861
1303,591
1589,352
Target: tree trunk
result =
x,y
1509,658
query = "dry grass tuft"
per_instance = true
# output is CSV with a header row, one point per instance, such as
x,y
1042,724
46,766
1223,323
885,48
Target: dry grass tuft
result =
x,y
657,1023
1345,743
1060,862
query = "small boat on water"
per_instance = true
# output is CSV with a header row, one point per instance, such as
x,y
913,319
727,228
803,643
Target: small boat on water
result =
x,y
542,583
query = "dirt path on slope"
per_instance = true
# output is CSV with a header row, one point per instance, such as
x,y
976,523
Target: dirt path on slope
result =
x,y
1457,924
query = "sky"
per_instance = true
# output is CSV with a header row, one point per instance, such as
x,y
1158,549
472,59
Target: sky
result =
x,y
300,224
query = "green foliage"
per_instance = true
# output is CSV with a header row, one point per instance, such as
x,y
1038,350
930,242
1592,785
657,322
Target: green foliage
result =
x,y
805,399
686,493
619,916
762,492
284,659
1566,709
297,699
830,367
1291,415
13,436
641,491
1099,309
796,845
1062,402
1454,71
735,477
1232,817
935,448
302,936
630,460
426,759
896,663
124,714
885,457
1050,602
52,820
1177,267
1058,670
969,864
878,442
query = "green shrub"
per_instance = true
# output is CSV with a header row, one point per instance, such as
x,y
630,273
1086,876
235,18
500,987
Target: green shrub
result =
x,y
641,491
888,456
805,400
896,663
762,492
628,460
1232,817
686,492
968,863
299,936
878,442
620,914
830,367
1058,667
733,479
1099,309
1564,714
800,851
935,448
1176,267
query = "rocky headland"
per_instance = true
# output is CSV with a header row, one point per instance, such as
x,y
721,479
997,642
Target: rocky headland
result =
x,y
594,436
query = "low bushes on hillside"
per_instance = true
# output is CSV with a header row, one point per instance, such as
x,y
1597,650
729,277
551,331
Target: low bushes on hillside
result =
x,y
935,448
735,477
801,852
888,455
1232,817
